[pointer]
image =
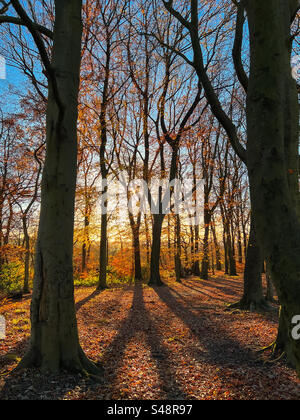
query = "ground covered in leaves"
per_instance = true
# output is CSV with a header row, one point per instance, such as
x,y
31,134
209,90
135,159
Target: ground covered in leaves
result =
x,y
173,342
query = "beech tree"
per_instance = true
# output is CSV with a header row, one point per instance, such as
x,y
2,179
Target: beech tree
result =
x,y
272,144
272,154
54,342
128,137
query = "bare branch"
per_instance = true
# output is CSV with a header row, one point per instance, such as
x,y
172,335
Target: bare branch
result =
x,y
176,14
237,47
17,21
210,93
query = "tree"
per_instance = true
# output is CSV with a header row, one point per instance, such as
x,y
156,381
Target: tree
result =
x,y
253,298
272,144
225,120
272,154
102,32
54,342
127,139
208,155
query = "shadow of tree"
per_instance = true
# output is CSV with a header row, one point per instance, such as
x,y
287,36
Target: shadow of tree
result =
x,y
217,347
228,286
224,350
87,299
201,291
14,354
238,365
139,321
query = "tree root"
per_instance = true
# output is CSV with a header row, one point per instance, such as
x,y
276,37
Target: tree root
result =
x,y
277,353
90,367
250,305
156,283
269,347
100,288
81,365
272,361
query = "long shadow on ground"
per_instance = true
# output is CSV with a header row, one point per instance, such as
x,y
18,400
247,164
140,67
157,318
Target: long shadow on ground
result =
x,y
139,321
224,352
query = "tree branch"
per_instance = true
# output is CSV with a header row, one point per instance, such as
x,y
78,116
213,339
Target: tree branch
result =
x,y
237,47
210,93
50,73
177,15
17,21
35,34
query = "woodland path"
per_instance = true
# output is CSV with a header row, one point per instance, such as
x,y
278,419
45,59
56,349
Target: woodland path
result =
x,y
174,342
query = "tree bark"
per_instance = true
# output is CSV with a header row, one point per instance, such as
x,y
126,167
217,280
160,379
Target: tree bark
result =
x,y
148,240
230,251
158,219
240,251
155,279
27,256
196,265
270,288
103,254
177,258
86,243
205,259
253,298
272,154
135,229
226,264
217,249
54,343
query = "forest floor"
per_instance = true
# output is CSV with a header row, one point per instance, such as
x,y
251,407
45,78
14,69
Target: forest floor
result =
x,y
173,342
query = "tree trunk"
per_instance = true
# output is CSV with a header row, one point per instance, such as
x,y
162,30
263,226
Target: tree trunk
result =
x,y
85,245
54,343
148,240
253,298
196,266
155,279
270,288
169,236
230,251
226,265
192,246
137,258
240,249
272,154
217,248
158,219
178,265
205,259
135,229
244,240
212,260
103,261
103,254
27,256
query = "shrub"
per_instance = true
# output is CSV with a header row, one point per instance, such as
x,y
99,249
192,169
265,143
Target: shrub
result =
x,y
11,277
86,279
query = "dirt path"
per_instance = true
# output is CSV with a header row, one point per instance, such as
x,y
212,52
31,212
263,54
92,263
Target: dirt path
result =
x,y
174,342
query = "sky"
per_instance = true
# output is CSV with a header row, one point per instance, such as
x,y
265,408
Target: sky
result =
x,y
14,80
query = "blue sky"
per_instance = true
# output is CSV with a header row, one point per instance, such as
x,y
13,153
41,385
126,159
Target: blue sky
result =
x,y
15,81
